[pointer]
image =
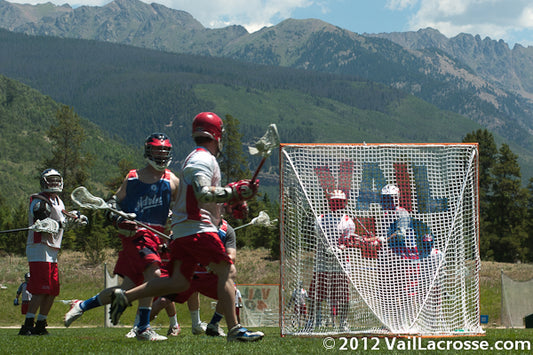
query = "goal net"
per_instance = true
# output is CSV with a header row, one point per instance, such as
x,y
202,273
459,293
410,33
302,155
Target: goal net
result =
x,y
379,239
516,302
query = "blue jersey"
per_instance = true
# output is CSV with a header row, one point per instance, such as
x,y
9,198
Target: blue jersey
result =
x,y
150,202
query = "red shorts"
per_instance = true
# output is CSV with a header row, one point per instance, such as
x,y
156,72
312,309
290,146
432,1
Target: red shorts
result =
x,y
205,283
332,286
201,248
24,307
44,278
137,254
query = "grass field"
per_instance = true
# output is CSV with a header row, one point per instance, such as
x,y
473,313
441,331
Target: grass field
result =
x,y
112,341
81,280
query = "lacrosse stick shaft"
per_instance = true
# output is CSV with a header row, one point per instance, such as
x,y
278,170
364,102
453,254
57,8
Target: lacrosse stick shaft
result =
x,y
15,230
258,169
161,234
244,225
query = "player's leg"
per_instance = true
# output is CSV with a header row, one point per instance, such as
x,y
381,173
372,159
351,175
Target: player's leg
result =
x,y
158,287
193,303
144,331
226,296
213,328
78,307
173,327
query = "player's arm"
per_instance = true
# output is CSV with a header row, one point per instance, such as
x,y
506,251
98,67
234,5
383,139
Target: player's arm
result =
x,y
174,188
233,192
124,226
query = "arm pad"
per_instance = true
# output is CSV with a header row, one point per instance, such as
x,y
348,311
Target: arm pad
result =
x,y
206,193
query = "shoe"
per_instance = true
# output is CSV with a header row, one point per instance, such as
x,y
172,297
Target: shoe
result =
x,y
119,303
199,329
132,333
214,330
25,330
149,334
174,330
74,313
40,328
238,333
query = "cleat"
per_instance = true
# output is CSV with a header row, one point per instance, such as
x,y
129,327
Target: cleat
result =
x,y
25,330
199,329
149,334
74,313
132,333
239,333
174,331
119,303
40,328
214,330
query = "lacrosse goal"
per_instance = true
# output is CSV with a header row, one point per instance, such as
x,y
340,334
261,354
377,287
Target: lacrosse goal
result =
x,y
395,273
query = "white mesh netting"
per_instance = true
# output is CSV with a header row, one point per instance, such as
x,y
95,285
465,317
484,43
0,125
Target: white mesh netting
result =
x,y
401,262
516,302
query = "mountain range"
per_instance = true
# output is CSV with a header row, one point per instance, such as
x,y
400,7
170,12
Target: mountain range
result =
x,y
481,79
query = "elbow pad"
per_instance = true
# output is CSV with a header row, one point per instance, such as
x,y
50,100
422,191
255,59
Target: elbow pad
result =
x,y
206,193
41,210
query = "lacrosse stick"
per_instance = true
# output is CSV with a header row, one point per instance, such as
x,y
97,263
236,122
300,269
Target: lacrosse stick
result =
x,y
262,220
47,225
83,198
264,146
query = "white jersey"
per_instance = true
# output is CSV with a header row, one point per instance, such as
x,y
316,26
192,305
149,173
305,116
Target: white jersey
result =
x,y
45,246
334,226
190,216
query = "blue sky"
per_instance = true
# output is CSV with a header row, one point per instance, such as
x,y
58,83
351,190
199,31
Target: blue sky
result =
x,y
509,20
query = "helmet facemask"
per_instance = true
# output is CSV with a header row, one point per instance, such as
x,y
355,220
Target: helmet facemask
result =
x,y
51,181
158,151
390,197
337,200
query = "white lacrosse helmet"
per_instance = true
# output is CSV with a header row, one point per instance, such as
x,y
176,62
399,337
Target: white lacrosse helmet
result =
x,y
390,196
51,181
337,200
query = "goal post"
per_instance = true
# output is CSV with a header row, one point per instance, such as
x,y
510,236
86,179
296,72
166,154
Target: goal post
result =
x,y
399,257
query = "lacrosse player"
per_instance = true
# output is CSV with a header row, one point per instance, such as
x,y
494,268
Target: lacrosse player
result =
x,y
407,260
147,192
24,294
43,248
205,283
196,217
330,282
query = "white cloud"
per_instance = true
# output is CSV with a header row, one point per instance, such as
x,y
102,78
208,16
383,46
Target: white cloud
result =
x,y
252,14
493,18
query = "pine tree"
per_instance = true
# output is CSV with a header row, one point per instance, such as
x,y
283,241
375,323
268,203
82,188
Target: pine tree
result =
x,y
488,152
508,209
67,137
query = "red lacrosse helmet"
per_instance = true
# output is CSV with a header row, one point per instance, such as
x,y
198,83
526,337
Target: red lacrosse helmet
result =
x,y
158,151
208,124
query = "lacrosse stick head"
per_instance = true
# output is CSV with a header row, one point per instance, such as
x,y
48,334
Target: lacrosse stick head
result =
x,y
263,219
47,225
84,199
267,143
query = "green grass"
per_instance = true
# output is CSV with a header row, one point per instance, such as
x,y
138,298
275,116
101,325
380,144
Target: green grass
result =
x,y
112,341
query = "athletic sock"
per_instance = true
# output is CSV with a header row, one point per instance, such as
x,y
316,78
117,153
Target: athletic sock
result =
x,y
41,317
217,317
195,317
144,318
173,320
90,303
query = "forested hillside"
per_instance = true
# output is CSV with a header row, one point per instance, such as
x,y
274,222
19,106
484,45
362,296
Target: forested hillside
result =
x,y
130,92
25,117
